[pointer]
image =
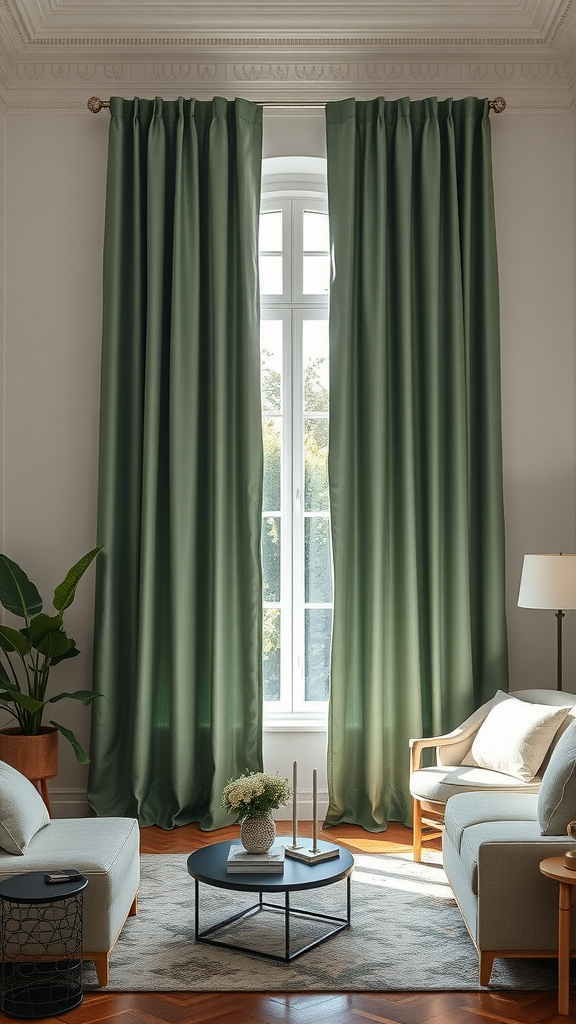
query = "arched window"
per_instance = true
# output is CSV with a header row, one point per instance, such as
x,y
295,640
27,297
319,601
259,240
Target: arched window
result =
x,y
296,548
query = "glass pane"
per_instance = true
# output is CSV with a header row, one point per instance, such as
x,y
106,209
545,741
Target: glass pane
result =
x,y
271,364
318,628
271,560
316,274
315,232
316,465
271,231
271,275
271,432
271,654
317,560
315,359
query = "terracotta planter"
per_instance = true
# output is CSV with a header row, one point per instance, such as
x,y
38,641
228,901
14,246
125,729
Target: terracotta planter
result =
x,y
36,757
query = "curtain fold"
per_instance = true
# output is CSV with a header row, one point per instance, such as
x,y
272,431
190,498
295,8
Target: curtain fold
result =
x,y
178,602
415,464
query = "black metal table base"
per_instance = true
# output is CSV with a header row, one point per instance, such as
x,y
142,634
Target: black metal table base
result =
x,y
39,990
341,923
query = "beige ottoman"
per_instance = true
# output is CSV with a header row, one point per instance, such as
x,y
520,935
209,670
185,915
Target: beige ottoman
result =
x,y
107,852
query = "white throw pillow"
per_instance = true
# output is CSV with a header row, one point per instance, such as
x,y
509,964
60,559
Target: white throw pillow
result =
x,y
515,736
22,810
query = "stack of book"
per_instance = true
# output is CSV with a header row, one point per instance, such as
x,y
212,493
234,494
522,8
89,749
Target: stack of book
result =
x,y
239,860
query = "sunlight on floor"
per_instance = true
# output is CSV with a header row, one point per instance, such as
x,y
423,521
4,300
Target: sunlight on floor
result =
x,y
402,876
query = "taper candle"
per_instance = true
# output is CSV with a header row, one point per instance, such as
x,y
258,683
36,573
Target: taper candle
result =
x,y
314,810
294,803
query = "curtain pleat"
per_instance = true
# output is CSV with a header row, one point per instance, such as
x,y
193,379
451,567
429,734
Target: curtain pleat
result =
x,y
178,606
415,463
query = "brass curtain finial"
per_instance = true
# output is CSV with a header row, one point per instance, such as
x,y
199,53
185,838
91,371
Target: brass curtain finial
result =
x,y
498,105
95,105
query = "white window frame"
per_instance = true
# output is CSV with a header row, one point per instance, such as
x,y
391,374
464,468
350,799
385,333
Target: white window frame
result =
x,y
301,185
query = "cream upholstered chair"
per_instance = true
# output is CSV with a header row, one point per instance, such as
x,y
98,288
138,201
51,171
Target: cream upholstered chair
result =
x,y
431,787
105,850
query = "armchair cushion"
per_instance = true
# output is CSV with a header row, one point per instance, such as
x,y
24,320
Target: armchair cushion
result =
x,y
22,810
557,796
514,737
439,782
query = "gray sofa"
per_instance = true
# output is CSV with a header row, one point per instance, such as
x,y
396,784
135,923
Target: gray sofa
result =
x,y
492,847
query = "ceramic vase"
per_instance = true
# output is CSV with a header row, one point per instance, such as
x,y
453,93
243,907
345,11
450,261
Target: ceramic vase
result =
x,y
257,835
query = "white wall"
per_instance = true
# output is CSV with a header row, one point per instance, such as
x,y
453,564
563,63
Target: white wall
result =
x,y
55,168
534,213
54,222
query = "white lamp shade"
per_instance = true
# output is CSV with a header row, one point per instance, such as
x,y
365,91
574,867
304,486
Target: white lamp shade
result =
x,y
548,581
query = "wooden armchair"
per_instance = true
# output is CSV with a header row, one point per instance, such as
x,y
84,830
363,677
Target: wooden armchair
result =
x,y
432,787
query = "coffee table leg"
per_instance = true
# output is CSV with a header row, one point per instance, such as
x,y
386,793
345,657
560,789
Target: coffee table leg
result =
x,y
348,899
196,909
287,927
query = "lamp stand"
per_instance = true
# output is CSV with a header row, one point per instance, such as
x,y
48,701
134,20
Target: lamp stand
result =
x,y
559,617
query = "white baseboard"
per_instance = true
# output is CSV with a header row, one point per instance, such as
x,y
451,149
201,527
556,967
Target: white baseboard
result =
x,y
304,808
72,803
68,803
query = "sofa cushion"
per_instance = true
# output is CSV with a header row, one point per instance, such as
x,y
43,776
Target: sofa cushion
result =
x,y
465,810
515,736
557,796
22,811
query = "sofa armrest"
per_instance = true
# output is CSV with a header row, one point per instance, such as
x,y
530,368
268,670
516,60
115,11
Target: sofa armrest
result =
x,y
517,904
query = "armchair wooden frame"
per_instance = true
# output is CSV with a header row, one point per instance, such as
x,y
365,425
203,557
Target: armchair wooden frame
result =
x,y
428,815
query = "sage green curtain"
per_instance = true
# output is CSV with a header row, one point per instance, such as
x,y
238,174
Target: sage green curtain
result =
x,y
178,614
419,636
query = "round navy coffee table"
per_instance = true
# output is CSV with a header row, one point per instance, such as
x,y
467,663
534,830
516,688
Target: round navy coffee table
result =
x,y
209,866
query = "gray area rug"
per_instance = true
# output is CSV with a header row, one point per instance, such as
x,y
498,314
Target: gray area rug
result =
x,y
407,934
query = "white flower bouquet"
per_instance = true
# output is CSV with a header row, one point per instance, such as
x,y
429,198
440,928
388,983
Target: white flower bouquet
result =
x,y
255,794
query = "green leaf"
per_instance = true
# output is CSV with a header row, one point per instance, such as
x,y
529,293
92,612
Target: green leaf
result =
x,y
5,645
17,593
55,644
5,679
86,696
22,699
40,626
72,653
81,754
64,593
17,639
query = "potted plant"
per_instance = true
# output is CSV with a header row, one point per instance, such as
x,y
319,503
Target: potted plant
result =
x,y
27,656
251,798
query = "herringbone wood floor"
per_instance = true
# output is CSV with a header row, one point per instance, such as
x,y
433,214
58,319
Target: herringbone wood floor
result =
x,y
314,1008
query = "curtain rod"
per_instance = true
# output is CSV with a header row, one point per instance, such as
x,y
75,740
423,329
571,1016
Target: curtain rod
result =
x,y
498,105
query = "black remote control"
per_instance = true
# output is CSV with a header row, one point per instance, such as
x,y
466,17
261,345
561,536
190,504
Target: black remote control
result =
x,y
59,877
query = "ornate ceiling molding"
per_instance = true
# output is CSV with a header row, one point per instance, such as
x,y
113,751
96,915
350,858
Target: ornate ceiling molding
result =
x,y
398,42
42,64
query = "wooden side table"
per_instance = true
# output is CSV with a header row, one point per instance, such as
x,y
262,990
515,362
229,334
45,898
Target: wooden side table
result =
x,y
553,867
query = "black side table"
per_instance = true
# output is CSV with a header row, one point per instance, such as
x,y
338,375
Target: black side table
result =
x,y
40,945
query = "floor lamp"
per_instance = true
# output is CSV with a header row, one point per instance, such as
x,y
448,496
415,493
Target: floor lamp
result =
x,y
549,581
